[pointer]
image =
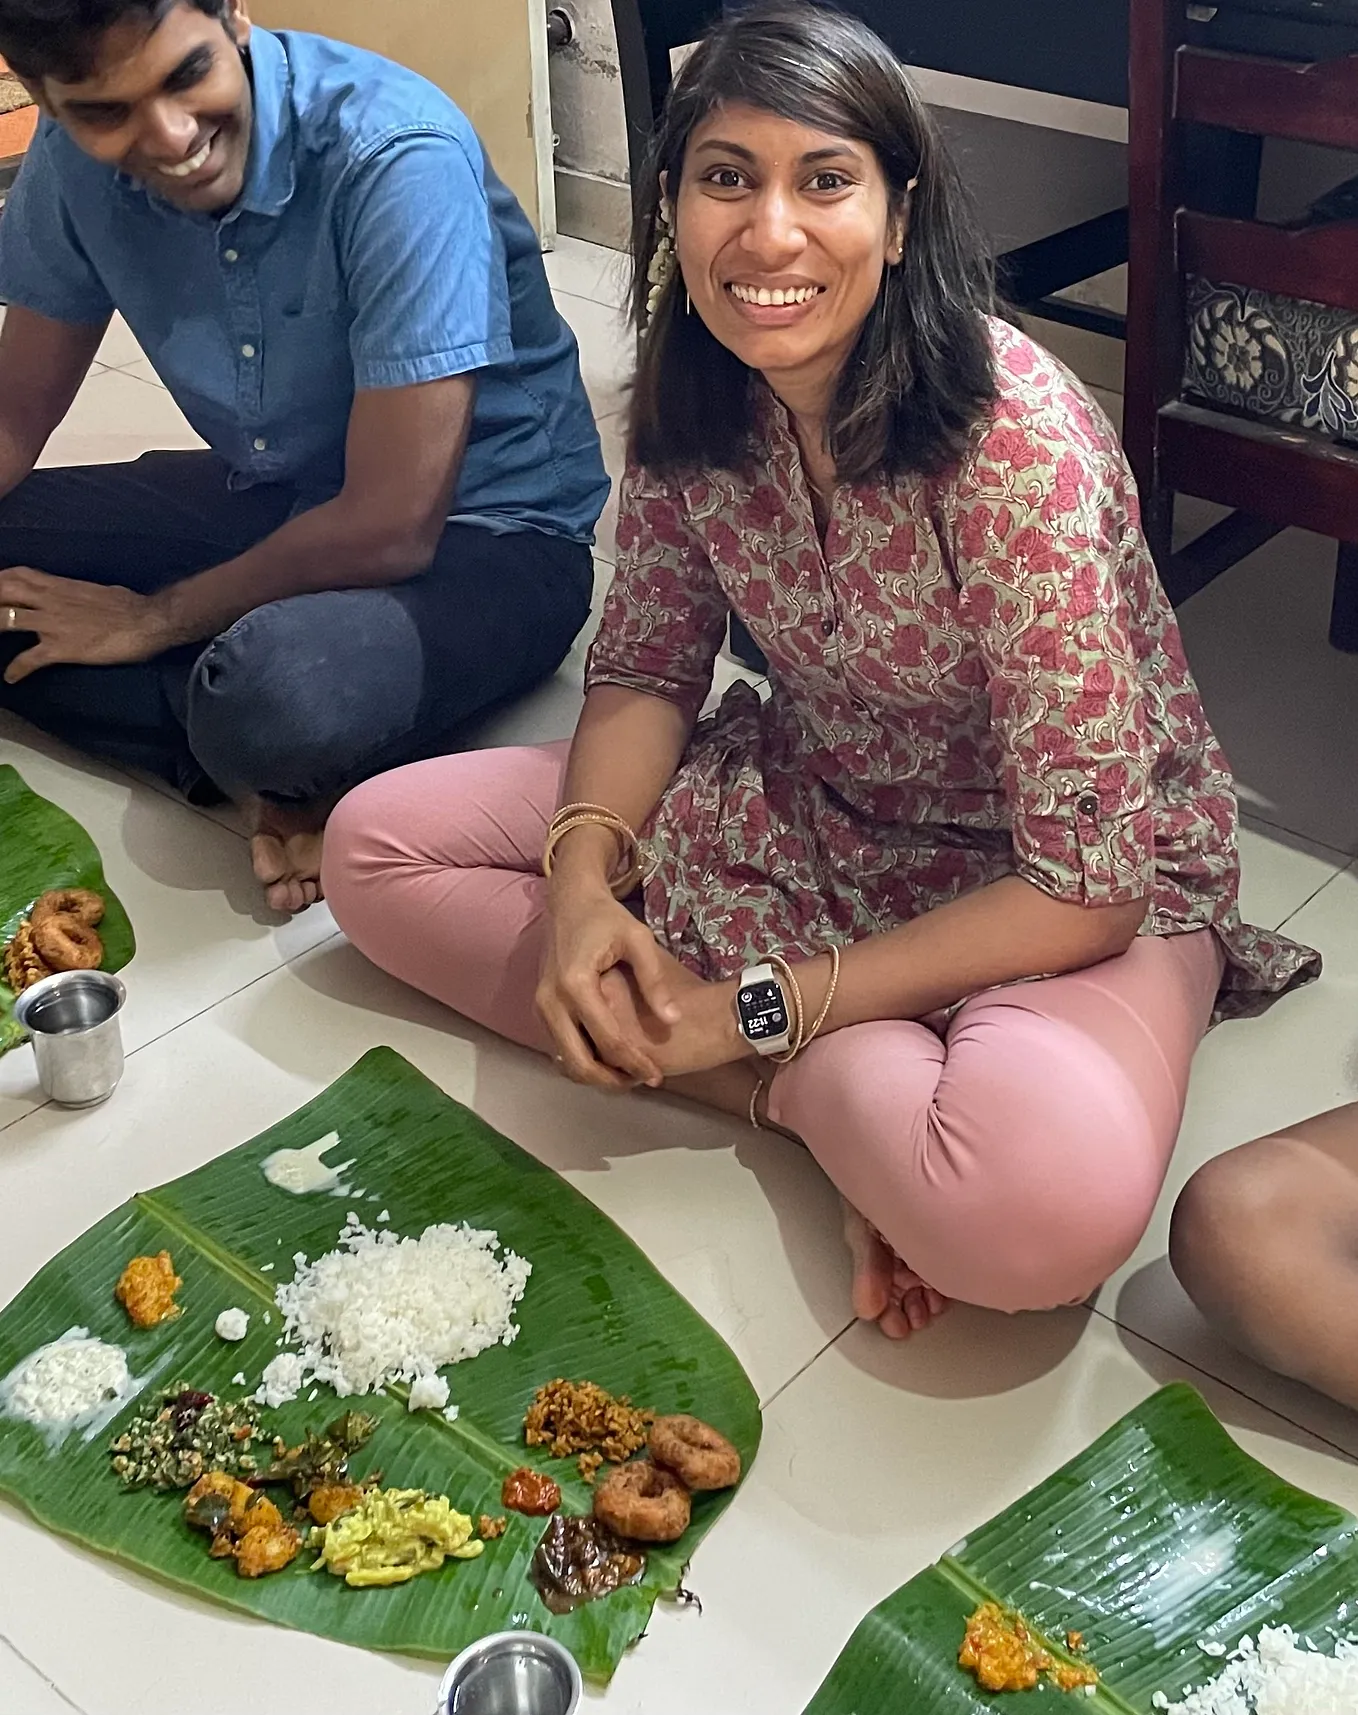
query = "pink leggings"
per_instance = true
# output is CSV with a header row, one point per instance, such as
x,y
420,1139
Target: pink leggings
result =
x,y
1013,1161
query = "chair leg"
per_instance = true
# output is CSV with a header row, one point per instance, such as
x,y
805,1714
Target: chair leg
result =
x,y
1344,613
1157,520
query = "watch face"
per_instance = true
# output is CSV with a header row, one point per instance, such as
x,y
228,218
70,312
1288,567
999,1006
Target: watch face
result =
x,y
763,1013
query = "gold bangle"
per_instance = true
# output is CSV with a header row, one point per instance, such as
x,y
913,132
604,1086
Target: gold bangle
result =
x,y
581,809
559,830
627,870
829,1001
798,1042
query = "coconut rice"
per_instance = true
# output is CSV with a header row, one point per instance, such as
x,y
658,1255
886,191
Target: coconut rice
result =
x,y
382,1308
1279,1675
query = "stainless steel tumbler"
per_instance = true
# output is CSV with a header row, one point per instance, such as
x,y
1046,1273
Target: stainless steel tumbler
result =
x,y
74,1021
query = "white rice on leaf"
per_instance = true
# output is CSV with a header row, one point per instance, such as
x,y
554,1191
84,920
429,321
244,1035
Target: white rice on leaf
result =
x,y
382,1308
1277,1676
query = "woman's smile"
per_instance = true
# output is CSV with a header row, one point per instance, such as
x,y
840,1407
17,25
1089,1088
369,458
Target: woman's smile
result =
x,y
784,233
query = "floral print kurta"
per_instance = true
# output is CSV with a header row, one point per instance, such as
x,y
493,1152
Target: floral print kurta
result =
x,y
977,675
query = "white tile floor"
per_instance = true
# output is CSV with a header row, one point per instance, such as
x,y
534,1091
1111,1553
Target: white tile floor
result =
x,y
236,1018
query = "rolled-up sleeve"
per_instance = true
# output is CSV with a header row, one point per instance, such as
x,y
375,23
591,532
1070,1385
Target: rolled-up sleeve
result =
x,y
666,613
424,266
43,265
1047,547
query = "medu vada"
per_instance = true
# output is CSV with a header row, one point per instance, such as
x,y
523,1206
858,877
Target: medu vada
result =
x,y
79,902
643,1503
699,1456
66,943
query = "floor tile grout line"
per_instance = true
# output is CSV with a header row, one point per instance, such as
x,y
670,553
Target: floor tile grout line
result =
x,y
46,1679
1345,1453
1257,823
283,965
619,310
1310,900
798,1373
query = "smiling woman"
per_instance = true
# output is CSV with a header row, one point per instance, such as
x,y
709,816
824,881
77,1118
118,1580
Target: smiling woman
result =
x,y
798,163
955,901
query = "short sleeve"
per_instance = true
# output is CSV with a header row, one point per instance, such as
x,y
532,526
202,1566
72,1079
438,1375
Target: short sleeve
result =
x,y
43,266
424,265
1050,557
666,613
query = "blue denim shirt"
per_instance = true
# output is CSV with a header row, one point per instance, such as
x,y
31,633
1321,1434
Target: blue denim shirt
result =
x,y
372,246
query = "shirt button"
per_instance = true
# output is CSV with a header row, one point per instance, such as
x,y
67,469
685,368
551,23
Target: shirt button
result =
x,y
247,351
261,445
1087,804
827,626
231,255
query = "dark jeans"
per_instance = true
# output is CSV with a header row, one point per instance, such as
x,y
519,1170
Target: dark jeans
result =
x,y
304,697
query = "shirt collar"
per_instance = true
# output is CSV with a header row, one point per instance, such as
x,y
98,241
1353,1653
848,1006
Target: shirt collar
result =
x,y
270,173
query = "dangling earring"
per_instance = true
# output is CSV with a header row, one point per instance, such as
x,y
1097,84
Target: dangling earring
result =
x,y
664,263
899,254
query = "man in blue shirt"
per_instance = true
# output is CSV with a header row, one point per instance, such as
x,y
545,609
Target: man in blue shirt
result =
x,y
391,529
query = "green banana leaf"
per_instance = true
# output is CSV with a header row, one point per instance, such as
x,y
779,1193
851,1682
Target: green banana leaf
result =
x,y
1161,1536
41,847
594,1309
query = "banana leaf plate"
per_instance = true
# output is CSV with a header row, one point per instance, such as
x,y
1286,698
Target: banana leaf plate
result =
x,y
594,1309
41,847
1161,1537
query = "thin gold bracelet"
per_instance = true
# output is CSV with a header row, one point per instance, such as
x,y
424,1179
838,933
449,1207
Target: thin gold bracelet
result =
x,y
829,1001
798,1042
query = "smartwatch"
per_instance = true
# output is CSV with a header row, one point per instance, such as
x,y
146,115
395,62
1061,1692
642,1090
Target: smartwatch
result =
x,y
761,1011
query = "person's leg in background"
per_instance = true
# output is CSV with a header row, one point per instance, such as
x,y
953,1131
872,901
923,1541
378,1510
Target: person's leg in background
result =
x,y
1015,1161
1265,1242
305,698
144,525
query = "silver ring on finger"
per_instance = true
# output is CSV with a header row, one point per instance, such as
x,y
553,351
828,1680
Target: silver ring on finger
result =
x,y
11,619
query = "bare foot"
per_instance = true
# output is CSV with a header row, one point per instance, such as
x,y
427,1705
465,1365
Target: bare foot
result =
x,y
285,851
886,1290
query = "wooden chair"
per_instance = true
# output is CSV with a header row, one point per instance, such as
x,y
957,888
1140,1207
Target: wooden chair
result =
x,y
1272,466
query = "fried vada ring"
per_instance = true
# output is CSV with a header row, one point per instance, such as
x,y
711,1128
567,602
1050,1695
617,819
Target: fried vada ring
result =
x,y
68,902
695,1452
643,1503
66,944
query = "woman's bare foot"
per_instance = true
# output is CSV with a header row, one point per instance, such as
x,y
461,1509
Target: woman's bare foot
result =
x,y
285,851
886,1290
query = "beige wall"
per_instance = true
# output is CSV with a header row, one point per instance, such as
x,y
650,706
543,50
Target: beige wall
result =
x,y
479,51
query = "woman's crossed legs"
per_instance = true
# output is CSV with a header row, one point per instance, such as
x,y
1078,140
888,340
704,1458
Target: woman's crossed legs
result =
x,y
1014,1160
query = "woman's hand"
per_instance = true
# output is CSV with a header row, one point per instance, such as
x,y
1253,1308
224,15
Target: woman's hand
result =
x,y
702,1033
594,939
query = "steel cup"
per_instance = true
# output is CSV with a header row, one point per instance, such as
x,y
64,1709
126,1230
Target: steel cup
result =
x,y
77,1035
512,1673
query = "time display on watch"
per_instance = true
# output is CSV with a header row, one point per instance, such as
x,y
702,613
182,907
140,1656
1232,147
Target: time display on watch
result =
x,y
763,1012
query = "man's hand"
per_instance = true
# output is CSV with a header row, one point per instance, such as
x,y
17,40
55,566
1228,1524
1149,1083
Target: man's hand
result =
x,y
93,625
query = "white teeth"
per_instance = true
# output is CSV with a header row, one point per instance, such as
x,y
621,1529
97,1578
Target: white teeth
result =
x,y
185,168
775,297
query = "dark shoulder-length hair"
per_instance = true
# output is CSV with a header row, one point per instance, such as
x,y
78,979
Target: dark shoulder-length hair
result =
x,y
922,371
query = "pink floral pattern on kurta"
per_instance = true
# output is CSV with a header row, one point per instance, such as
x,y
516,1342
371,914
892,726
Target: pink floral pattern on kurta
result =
x,y
978,675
